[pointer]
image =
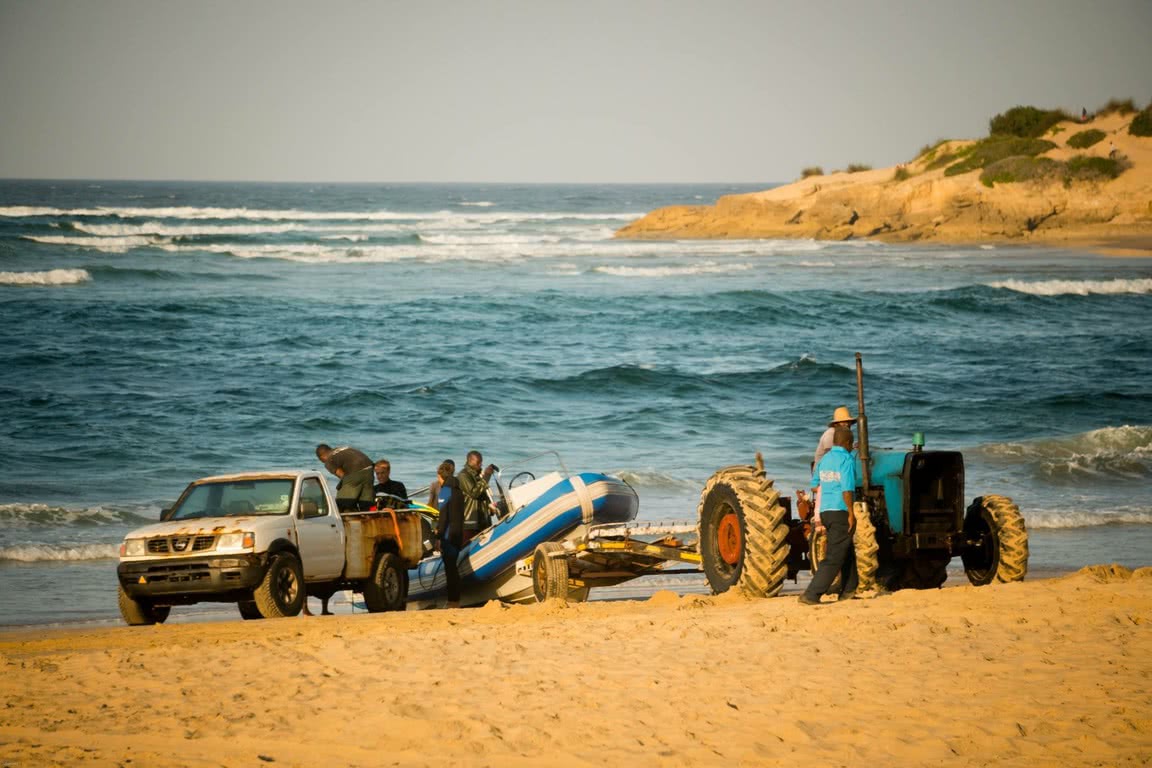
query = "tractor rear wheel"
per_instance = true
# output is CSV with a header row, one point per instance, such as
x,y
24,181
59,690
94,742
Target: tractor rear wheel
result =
x,y
863,542
550,574
997,539
925,572
743,538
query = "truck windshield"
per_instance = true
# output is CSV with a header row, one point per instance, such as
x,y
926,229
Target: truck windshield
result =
x,y
237,498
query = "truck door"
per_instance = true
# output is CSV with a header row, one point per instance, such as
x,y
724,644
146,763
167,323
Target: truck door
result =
x,y
319,532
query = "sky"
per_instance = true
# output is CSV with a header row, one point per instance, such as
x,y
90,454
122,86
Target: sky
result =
x,y
536,91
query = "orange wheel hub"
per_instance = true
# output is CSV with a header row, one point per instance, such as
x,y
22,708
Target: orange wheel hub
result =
x,y
729,540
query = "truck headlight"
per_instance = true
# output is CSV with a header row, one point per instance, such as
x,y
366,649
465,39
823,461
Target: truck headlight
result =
x,y
236,541
132,548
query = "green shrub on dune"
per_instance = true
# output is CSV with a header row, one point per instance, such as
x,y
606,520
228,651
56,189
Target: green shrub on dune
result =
x,y
1085,139
1025,122
858,167
1142,124
812,170
1121,106
1020,168
1089,168
902,174
995,148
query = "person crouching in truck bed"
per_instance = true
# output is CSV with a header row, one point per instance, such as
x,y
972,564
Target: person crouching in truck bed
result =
x,y
354,468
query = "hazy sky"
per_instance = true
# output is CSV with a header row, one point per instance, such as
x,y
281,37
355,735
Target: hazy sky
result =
x,y
535,91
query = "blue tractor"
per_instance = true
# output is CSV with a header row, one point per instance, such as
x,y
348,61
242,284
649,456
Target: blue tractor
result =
x,y
911,521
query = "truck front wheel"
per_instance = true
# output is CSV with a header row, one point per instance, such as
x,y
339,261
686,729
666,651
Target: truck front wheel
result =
x,y
281,593
388,588
139,613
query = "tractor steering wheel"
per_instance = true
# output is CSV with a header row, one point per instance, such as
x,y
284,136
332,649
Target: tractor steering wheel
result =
x,y
512,482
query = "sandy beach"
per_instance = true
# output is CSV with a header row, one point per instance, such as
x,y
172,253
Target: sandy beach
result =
x,y
1048,672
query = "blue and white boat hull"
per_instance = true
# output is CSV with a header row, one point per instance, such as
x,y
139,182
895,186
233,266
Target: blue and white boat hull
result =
x,y
552,508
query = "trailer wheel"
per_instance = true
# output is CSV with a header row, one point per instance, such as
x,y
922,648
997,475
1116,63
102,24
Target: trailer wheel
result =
x,y
743,538
138,613
281,592
249,610
387,590
550,574
996,541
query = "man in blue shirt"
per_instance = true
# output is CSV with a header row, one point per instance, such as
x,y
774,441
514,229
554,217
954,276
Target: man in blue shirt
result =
x,y
835,477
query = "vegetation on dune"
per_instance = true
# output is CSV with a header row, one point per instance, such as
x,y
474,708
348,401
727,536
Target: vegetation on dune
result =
x,y
1012,170
1121,106
858,167
1142,124
812,170
1089,168
1085,139
902,174
995,148
1020,168
1025,122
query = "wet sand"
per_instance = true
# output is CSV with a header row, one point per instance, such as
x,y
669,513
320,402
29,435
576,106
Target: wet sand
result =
x,y
1047,672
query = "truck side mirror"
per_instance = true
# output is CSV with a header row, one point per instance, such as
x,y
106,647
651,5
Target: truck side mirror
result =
x,y
164,513
309,509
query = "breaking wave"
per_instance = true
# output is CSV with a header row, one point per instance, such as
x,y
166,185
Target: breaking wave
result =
x,y
1111,452
40,553
1076,287
706,268
48,277
45,514
263,214
1053,519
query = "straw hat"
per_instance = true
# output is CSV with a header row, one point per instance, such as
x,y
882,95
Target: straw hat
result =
x,y
841,416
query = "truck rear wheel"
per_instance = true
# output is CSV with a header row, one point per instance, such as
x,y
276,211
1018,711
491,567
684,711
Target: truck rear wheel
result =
x,y
281,593
388,588
996,541
139,612
743,538
550,574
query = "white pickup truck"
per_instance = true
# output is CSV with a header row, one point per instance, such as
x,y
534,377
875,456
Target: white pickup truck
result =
x,y
265,541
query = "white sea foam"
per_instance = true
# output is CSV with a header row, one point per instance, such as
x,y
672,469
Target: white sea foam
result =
x,y
706,268
1076,287
39,553
25,515
47,277
1079,519
107,244
479,204
182,230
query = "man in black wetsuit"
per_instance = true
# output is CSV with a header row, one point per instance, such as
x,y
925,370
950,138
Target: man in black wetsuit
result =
x,y
386,486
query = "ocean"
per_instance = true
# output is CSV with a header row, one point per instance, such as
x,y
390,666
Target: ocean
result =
x,y
152,333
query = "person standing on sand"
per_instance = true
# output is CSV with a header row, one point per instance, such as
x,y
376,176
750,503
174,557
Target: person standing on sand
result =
x,y
835,476
354,468
434,489
477,501
841,418
450,528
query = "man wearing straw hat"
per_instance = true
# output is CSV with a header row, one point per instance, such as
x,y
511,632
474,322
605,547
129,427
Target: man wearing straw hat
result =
x,y
841,418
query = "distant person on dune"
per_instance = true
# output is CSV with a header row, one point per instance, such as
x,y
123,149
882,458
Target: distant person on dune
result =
x,y
354,468
840,419
835,477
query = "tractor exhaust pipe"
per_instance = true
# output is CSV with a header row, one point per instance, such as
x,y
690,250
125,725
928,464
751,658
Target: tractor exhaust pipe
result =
x,y
862,421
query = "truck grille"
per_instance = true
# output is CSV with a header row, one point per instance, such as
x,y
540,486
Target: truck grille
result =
x,y
179,545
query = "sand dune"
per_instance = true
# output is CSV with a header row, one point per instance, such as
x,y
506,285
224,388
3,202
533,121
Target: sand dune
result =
x,y
1052,672
929,206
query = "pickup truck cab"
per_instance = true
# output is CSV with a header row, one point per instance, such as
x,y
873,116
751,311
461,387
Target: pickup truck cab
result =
x,y
265,541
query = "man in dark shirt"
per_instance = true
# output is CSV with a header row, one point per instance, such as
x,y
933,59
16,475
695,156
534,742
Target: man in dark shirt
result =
x,y
473,484
354,468
386,486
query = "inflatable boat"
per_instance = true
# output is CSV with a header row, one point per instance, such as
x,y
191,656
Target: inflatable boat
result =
x,y
497,564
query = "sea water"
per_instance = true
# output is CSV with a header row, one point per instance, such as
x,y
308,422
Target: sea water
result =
x,y
152,333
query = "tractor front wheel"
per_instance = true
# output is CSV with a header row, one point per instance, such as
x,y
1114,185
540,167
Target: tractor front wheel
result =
x,y
996,541
743,538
